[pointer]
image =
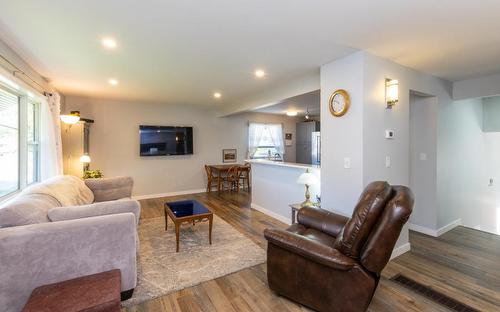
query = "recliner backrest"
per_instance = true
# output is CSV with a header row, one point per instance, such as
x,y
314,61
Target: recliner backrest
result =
x,y
384,235
370,206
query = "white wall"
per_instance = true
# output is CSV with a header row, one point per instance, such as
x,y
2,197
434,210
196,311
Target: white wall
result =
x,y
361,132
477,87
342,137
464,185
491,114
114,141
423,160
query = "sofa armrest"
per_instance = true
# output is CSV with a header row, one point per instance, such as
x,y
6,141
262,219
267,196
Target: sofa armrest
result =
x,y
106,189
310,249
322,220
97,209
44,253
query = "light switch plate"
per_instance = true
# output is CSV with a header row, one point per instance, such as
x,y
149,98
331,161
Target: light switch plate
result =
x,y
347,162
387,161
423,156
389,134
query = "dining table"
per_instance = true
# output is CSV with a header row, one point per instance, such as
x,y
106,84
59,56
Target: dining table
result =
x,y
220,170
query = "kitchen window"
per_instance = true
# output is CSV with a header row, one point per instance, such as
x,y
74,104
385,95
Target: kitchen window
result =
x,y
265,141
19,141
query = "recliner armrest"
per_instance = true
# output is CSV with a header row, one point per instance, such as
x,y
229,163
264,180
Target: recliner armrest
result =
x,y
322,220
310,249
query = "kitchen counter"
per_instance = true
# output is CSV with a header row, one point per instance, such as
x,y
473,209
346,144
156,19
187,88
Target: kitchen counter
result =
x,y
275,187
280,163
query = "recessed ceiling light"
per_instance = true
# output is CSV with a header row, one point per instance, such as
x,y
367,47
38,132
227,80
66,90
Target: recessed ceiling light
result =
x,y
291,113
259,73
113,82
217,95
109,43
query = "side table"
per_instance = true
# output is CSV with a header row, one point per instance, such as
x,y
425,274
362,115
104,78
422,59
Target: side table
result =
x,y
295,209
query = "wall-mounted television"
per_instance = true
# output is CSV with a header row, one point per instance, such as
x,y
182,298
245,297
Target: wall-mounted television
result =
x,y
165,141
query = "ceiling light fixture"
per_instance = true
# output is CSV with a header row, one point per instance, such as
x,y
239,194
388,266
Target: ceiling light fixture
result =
x,y
259,73
71,118
291,113
217,95
109,43
113,82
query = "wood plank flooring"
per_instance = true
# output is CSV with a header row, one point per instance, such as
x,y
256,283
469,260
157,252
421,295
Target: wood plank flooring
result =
x,y
463,264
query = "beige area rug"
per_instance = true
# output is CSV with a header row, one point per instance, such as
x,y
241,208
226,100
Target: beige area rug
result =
x,y
161,270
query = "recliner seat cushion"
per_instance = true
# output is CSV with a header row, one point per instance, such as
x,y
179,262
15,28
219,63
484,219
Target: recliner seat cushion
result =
x,y
366,213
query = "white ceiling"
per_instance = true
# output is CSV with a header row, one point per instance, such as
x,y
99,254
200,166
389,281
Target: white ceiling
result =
x,y
181,51
300,104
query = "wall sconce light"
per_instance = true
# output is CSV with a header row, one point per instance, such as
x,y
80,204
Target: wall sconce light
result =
x,y
391,92
71,118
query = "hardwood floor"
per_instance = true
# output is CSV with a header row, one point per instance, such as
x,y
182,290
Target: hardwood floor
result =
x,y
463,264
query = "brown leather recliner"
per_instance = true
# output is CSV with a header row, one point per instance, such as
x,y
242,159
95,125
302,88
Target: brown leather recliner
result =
x,y
332,263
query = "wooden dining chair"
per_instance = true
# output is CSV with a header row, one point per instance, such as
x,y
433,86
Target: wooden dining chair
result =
x,y
244,175
211,179
231,179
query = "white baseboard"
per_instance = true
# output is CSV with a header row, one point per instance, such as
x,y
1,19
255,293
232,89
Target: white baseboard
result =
x,y
398,251
438,232
449,227
271,213
139,197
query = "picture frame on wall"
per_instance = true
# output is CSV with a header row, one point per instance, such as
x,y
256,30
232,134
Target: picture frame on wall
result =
x,y
229,155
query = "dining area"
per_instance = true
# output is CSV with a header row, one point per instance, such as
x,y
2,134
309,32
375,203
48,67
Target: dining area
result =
x,y
228,177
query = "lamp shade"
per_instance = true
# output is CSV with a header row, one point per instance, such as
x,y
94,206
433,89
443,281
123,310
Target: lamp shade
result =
x,y
307,178
85,159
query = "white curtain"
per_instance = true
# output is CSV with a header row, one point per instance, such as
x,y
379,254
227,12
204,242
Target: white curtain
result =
x,y
276,134
261,134
255,132
51,161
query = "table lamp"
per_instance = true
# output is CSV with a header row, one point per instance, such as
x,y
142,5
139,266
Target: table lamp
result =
x,y
307,179
85,159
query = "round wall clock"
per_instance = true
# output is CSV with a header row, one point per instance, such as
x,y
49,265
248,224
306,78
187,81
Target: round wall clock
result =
x,y
339,103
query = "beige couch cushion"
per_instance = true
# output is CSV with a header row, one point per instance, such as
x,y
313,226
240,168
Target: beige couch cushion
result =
x,y
33,204
27,209
67,190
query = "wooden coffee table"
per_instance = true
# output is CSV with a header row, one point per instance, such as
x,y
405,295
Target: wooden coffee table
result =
x,y
187,211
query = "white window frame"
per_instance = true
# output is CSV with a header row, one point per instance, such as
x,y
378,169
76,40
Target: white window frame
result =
x,y
23,100
268,147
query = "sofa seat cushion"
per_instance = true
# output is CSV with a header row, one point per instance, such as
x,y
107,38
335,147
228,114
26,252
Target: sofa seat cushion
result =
x,y
312,234
27,209
67,190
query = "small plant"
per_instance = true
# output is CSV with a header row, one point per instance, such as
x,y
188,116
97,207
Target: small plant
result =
x,y
92,174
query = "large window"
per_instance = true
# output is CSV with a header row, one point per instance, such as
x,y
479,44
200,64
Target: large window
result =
x,y
19,141
9,142
265,141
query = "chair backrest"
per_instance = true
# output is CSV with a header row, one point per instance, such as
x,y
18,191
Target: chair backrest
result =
x,y
208,171
370,205
383,237
233,172
375,225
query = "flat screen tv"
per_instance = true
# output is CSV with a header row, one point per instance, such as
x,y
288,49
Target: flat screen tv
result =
x,y
165,141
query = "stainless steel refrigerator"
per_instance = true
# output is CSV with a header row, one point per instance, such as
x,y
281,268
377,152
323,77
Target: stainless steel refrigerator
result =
x,y
316,148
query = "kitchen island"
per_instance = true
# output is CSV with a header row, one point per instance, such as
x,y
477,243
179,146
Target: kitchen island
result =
x,y
275,187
